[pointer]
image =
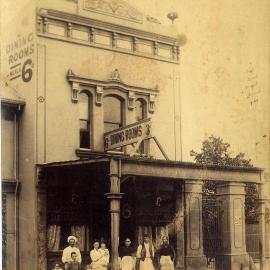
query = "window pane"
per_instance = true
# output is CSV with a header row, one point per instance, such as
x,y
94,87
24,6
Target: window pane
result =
x,y
8,143
84,139
84,116
84,106
110,126
112,110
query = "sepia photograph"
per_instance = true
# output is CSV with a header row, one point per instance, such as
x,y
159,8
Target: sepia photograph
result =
x,y
135,134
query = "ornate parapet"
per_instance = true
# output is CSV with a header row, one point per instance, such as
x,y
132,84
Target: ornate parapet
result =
x,y
99,34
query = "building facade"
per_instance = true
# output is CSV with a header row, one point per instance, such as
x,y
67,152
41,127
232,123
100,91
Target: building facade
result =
x,y
91,138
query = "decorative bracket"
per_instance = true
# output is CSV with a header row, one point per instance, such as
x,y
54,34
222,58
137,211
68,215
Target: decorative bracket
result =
x,y
75,90
152,101
99,93
131,100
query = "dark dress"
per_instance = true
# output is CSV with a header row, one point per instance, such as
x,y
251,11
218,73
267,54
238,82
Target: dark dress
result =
x,y
127,259
126,251
166,255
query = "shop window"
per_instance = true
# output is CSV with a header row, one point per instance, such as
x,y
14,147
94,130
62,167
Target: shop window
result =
x,y
140,109
8,142
85,123
113,116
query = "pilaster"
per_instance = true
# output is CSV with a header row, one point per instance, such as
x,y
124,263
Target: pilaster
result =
x,y
194,257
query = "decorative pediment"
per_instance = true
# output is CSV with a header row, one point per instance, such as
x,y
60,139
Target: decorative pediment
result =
x,y
116,8
113,83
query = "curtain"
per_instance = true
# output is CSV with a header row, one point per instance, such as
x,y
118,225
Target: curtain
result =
x,y
141,230
53,237
81,232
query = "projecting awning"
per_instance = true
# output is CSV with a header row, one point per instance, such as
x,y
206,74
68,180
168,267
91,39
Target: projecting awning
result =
x,y
9,96
146,167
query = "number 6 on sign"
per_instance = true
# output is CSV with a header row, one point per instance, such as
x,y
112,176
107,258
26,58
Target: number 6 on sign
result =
x,y
27,71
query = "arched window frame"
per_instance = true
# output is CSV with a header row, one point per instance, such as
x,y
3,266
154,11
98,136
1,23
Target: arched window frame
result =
x,y
122,99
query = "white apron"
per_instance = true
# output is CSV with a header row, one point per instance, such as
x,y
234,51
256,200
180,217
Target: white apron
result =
x,y
147,264
166,263
127,263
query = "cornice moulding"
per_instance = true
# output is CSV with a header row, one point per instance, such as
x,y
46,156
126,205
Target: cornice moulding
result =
x,y
108,84
55,14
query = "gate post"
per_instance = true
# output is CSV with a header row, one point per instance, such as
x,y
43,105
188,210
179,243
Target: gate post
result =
x,y
194,257
231,202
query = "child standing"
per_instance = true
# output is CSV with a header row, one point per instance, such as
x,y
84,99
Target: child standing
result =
x,y
73,264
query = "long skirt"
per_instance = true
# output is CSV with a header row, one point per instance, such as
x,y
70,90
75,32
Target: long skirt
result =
x,y
147,264
127,263
166,263
98,266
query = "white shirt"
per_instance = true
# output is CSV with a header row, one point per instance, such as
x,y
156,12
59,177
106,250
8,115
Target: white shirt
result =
x,y
66,257
147,249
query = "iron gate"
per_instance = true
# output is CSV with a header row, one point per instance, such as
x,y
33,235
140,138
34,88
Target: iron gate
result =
x,y
211,239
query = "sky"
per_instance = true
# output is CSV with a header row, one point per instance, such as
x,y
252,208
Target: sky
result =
x,y
224,72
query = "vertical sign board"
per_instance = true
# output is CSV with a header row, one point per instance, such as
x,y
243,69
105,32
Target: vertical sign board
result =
x,y
19,53
128,135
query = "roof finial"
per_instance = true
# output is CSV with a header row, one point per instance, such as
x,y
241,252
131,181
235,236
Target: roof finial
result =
x,y
172,16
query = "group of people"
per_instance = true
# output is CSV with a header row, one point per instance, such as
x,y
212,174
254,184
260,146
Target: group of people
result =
x,y
142,258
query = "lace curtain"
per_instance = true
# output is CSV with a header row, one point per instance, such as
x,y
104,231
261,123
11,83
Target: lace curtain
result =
x,y
53,237
155,234
80,232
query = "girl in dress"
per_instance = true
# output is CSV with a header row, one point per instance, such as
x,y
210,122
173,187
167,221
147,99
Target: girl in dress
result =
x,y
106,258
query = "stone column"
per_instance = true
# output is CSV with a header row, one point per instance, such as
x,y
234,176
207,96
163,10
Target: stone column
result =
x,y
179,228
262,245
115,196
194,257
232,251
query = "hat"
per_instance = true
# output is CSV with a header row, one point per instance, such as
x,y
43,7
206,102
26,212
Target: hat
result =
x,y
72,238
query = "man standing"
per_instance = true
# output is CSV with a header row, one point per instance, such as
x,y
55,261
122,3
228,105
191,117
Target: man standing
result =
x,y
145,254
66,257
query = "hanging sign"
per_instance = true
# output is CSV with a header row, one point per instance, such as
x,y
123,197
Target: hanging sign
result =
x,y
130,134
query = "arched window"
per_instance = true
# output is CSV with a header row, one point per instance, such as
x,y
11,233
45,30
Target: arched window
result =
x,y
85,124
113,117
140,115
140,109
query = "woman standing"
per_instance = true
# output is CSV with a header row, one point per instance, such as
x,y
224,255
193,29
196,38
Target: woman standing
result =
x,y
166,255
98,256
126,254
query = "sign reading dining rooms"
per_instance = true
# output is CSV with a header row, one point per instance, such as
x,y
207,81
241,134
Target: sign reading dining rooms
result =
x,y
134,133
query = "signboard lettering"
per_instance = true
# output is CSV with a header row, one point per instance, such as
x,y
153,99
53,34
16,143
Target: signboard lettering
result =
x,y
19,53
128,135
